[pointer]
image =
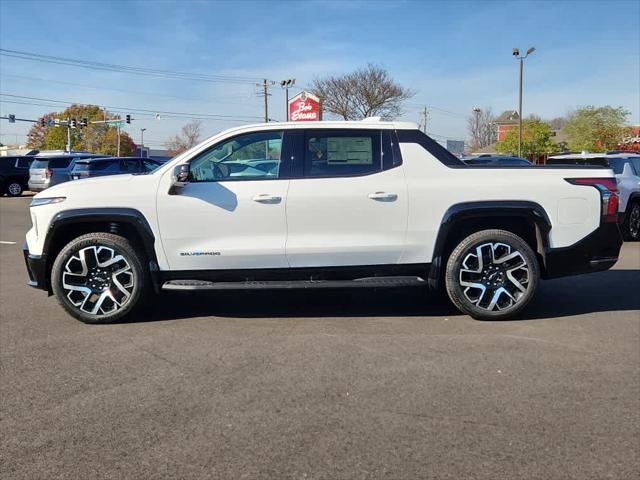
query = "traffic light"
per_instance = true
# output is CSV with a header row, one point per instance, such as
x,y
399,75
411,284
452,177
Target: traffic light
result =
x,y
42,122
12,118
72,123
127,118
84,122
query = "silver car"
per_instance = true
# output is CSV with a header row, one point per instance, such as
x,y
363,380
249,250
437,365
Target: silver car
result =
x,y
47,171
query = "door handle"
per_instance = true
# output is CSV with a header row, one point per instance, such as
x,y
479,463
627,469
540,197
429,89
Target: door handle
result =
x,y
266,198
383,196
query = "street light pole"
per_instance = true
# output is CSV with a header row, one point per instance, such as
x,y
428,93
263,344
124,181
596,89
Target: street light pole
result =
x,y
142,142
516,54
287,84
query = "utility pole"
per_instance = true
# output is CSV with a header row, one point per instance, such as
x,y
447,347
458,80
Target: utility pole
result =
x,y
516,54
265,85
425,118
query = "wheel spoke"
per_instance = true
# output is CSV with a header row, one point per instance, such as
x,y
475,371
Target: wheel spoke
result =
x,y
494,276
97,280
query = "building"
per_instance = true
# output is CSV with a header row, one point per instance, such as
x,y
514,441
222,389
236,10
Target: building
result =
x,y
507,121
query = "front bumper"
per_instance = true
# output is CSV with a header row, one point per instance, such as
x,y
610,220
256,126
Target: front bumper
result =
x,y
36,268
596,252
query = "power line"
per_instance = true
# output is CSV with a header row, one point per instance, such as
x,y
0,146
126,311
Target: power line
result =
x,y
245,97
133,109
112,67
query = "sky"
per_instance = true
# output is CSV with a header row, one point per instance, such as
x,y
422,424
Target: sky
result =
x,y
455,55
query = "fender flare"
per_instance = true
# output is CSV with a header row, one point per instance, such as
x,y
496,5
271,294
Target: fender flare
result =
x,y
530,211
129,216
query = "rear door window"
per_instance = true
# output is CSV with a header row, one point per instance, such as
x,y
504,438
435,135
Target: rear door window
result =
x,y
342,153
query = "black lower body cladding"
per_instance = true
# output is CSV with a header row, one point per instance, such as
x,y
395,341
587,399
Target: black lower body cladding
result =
x,y
596,252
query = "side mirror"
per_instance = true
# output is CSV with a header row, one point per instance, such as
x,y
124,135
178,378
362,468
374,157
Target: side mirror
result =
x,y
179,178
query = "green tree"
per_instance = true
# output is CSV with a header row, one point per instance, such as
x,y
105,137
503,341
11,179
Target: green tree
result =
x,y
596,129
95,138
536,139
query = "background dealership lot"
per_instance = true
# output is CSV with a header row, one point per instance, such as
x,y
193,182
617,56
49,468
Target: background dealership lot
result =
x,y
322,384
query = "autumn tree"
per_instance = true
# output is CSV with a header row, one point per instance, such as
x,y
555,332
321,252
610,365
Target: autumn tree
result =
x,y
536,139
95,137
596,129
482,127
188,137
366,92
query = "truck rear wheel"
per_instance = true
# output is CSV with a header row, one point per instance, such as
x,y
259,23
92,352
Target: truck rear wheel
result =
x,y
99,278
492,275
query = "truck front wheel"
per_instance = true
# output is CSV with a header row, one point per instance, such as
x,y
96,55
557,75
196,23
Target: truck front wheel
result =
x,y
492,275
99,278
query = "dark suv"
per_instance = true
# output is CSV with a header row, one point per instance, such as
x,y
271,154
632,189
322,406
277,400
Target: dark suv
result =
x,y
98,167
14,175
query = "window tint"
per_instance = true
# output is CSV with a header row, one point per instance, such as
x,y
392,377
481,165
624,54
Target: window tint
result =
x,y
252,156
617,164
40,164
59,162
102,166
149,165
636,165
24,162
342,153
130,165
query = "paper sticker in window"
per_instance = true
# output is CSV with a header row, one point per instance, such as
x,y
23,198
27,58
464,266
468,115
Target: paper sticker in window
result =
x,y
349,150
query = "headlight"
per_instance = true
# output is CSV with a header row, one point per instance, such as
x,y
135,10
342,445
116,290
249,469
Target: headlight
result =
x,y
36,202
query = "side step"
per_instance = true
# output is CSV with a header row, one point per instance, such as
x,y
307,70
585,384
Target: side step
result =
x,y
369,282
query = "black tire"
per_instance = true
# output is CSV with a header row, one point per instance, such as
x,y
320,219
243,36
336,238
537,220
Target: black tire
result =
x,y
91,280
631,226
496,291
14,189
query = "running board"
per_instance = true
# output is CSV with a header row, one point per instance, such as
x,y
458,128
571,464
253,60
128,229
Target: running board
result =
x,y
369,282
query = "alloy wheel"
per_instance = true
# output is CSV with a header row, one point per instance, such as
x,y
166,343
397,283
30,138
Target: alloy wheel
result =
x,y
97,280
14,189
494,276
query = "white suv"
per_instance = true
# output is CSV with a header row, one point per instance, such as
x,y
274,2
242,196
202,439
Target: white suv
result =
x,y
626,167
321,204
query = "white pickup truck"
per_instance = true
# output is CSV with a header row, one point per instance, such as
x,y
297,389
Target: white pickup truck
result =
x,y
321,204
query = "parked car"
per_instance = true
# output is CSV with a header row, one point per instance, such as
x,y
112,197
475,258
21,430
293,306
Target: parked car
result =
x,y
98,167
49,170
14,175
496,160
626,167
324,204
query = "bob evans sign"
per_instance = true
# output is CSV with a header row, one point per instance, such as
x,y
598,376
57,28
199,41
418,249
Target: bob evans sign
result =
x,y
304,107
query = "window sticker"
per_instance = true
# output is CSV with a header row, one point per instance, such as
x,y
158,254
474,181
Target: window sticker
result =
x,y
349,150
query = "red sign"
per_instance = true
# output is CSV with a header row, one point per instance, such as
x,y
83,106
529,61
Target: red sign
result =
x,y
304,107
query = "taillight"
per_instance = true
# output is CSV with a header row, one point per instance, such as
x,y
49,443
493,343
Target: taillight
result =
x,y
608,189
48,172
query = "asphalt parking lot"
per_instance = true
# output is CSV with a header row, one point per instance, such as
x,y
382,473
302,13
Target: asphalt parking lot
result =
x,y
321,384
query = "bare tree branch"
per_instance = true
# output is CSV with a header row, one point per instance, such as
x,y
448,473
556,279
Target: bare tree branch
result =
x,y
189,136
367,92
